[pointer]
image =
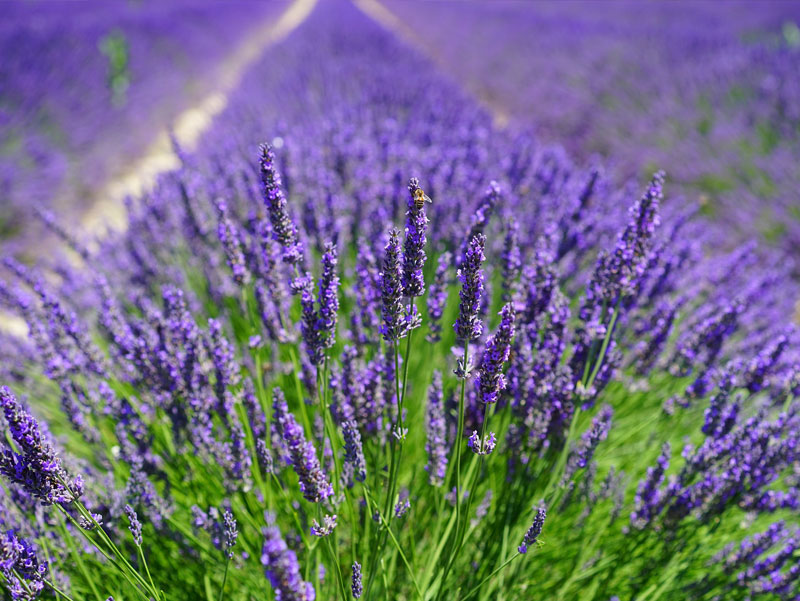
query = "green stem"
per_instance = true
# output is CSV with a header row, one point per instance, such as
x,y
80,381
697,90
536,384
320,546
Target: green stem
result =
x,y
370,502
490,576
224,578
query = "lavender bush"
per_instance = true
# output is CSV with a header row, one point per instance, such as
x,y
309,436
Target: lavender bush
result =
x,y
292,377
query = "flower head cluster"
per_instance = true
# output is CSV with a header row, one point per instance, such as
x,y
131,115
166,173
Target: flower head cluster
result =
x,y
414,248
532,535
468,326
282,570
283,230
353,451
436,433
313,483
24,574
483,446
437,297
134,525
355,586
36,467
327,526
395,324
491,381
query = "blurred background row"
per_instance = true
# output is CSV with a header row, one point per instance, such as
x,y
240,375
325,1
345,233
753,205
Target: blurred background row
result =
x,y
708,91
86,86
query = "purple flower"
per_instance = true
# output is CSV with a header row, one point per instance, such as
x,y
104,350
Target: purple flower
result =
x,y
353,451
282,570
356,587
328,525
468,326
395,325
437,297
302,456
482,447
135,526
649,498
283,230
532,535
231,244
24,574
491,381
583,452
436,433
36,467
414,248
328,299
231,532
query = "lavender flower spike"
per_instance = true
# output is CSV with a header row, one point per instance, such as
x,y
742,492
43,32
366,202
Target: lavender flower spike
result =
x,y
353,451
532,535
437,297
313,483
414,248
436,444
491,381
283,571
22,571
468,325
231,244
328,299
135,525
482,447
36,467
231,532
283,230
394,324
356,587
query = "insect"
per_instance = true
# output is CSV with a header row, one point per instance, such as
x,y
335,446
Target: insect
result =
x,y
420,198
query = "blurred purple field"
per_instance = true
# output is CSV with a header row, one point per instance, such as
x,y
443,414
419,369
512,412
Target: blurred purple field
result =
x,y
64,126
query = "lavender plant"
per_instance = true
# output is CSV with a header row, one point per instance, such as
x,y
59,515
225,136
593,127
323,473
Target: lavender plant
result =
x,y
263,388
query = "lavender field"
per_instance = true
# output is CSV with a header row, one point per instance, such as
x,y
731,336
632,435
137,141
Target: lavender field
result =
x,y
432,301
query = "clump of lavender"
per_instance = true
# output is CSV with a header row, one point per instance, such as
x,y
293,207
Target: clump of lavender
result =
x,y
491,381
436,431
395,324
414,249
283,229
313,483
36,467
22,571
468,326
282,570
532,535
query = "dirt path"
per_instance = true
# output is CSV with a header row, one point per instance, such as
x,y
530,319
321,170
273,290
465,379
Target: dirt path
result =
x,y
388,20
108,212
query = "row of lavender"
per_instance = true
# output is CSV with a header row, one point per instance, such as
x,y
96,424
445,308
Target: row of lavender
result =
x,y
710,90
282,395
88,85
